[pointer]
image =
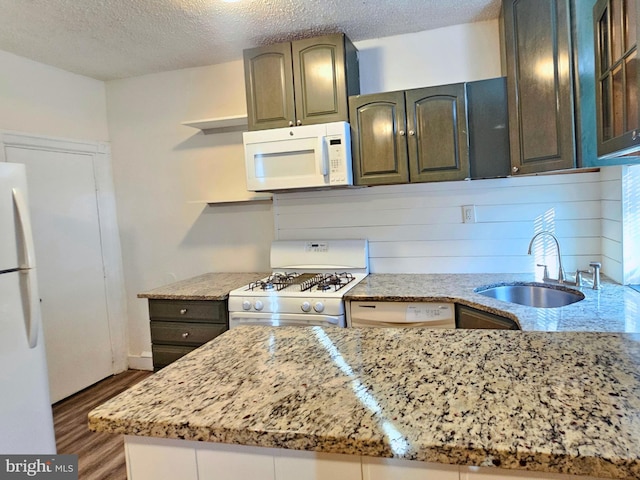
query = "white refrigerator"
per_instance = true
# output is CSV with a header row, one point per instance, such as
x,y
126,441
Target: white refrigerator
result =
x,y
26,420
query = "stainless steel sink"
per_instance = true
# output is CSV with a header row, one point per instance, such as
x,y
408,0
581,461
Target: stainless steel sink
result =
x,y
533,294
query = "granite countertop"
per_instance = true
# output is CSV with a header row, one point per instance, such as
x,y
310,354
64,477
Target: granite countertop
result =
x,y
613,308
564,402
210,286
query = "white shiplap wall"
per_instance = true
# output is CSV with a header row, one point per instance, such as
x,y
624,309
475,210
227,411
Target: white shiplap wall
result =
x,y
630,186
612,232
418,228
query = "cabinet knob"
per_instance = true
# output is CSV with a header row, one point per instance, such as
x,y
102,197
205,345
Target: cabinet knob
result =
x,y
401,132
411,133
183,311
185,334
290,123
299,122
515,169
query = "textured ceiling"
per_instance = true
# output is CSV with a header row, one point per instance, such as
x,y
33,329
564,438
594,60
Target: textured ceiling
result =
x,y
108,39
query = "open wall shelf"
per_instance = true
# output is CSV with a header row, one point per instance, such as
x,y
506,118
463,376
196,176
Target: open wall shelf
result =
x,y
260,198
235,123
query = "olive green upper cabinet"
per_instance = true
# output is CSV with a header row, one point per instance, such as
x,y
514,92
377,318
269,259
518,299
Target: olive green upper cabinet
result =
x,y
300,83
412,136
538,53
617,79
378,123
437,133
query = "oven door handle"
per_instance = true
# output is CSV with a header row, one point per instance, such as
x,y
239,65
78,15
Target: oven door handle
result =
x,y
237,319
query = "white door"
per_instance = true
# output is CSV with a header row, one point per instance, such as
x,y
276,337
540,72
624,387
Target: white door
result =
x,y
66,231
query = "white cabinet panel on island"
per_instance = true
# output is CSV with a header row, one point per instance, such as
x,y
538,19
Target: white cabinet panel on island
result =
x,y
396,469
228,462
484,473
160,459
303,465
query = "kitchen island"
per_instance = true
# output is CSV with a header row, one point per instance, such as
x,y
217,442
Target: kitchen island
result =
x,y
292,402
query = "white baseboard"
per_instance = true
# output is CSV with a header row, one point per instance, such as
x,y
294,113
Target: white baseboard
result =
x,y
144,361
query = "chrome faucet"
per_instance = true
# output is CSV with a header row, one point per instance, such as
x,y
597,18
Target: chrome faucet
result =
x,y
562,278
561,274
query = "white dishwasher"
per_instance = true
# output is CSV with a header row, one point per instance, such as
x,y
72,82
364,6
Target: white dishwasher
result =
x,y
401,314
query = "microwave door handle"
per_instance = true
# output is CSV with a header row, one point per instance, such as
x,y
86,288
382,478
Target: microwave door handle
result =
x,y
324,151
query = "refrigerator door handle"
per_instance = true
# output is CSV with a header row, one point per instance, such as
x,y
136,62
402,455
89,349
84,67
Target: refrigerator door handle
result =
x,y
31,299
28,281
27,256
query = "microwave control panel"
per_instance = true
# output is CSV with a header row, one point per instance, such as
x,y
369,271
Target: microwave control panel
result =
x,y
339,159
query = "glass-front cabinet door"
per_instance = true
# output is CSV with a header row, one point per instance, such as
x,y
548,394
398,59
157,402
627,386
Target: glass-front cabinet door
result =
x,y
617,78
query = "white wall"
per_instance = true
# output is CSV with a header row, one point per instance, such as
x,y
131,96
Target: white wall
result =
x,y
630,186
612,225
161,167
419,228
460,53
37,98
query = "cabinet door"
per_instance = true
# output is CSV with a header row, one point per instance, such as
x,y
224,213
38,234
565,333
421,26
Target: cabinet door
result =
x,y
303,465
378,139
395,468
160,459
617,78
269,85
467,317
437,133
319,80
539,84
487,119
219,461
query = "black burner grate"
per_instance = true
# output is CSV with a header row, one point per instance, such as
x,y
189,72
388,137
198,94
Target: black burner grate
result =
x,y
307,281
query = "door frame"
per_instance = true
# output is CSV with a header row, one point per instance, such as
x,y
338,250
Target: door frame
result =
x,y
100,154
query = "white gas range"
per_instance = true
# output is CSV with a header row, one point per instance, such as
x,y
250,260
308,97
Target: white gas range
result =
x,y
306,287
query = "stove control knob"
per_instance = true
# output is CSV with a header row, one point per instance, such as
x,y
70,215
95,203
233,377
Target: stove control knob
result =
x,y
306,307
258,305
318,307
246,305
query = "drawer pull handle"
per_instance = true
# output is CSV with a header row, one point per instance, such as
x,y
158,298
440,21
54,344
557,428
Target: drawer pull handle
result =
x,y
185,334
183,311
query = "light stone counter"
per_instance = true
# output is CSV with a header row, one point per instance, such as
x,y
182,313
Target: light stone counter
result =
x,y
210,286
613,308
564,402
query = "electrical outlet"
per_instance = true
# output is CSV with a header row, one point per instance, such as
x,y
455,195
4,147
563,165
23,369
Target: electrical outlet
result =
x,y
469,214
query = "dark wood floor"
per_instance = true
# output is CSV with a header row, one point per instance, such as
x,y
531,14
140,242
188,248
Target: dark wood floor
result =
x,y
100,455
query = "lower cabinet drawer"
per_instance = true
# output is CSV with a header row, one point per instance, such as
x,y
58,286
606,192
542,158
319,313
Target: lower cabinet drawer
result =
x,y
163,355
184,333
188,310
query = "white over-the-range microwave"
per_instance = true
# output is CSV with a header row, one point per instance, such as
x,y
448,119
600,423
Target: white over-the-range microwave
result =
x,y
308,156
